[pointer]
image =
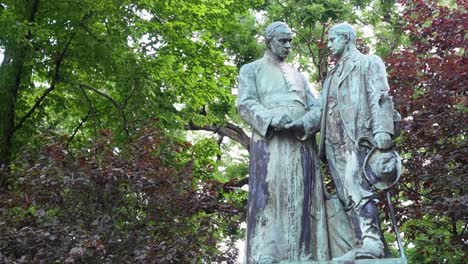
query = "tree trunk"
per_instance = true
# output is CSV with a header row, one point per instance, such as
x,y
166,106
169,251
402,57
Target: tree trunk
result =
x,y
11,72
9,82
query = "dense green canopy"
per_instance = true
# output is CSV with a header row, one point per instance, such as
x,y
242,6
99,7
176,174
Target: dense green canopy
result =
x,y
102,104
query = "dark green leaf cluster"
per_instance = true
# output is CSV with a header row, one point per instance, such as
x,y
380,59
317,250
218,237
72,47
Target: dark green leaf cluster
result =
x,y
429,80
141,204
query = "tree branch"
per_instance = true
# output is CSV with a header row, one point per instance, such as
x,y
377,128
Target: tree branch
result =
x,y
6,58
239,130
32,15
78,127
230,130
91,108
219,142
58,63
463,230
55,79
125,102
236,184
280,4
113,101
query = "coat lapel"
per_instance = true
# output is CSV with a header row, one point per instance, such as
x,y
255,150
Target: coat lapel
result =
x,y
347,103
348,68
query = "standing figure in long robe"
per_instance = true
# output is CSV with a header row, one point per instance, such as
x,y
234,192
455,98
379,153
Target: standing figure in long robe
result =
x,y
286,211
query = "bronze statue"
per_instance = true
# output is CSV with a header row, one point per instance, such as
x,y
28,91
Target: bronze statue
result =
x,y
286,214
353,105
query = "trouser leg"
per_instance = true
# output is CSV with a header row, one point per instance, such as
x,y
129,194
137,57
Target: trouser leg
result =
x,y
371,235
344,163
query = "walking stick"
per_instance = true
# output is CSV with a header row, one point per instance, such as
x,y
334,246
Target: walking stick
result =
x,y
395,227
383,182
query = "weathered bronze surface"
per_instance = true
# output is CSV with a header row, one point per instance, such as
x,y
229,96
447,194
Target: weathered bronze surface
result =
x,y
354,104
291,218
286,211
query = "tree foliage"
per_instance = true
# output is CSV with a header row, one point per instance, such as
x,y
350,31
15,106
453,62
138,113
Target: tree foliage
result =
x,y
429,80
80,66
146,203
95,97
75,68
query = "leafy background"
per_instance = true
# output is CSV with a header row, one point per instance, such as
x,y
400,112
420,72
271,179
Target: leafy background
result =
x,y
120,142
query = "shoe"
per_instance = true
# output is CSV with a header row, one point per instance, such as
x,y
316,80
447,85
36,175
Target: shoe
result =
x,y
371,248
350,255
372,245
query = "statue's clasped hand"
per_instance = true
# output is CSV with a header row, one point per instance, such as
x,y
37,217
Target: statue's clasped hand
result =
x,y
383,140
279,122
296,125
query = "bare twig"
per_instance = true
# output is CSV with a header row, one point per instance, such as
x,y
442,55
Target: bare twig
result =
x,y
78,127
91,108
113,101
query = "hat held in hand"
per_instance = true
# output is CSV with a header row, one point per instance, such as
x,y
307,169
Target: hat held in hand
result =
x,y
382,168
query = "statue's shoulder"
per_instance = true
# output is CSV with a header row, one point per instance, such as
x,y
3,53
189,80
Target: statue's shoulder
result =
x,y
252,66
370,61
370,58
375,59
257,63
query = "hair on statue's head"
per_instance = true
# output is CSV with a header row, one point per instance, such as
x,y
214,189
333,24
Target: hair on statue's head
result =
x,y
344,28
271,29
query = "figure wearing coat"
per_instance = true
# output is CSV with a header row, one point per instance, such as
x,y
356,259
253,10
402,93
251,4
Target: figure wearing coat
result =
x,y
286,212
354,103
362,104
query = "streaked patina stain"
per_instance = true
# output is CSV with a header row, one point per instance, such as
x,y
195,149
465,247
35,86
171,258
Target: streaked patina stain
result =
x,y
286,211
258,191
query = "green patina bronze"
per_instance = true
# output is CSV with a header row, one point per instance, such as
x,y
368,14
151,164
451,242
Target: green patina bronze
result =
x,y
291,219
286,211
354,104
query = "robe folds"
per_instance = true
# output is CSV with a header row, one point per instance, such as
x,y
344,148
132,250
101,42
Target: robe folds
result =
x,y
286,209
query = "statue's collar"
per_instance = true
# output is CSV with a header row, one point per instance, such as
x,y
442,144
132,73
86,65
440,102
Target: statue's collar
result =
x,y
272,57
351,54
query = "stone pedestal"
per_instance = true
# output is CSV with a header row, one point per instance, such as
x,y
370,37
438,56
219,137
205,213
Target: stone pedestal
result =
x,y
359,261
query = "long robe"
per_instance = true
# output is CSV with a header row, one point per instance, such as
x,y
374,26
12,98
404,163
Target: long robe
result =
x,y
286,210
